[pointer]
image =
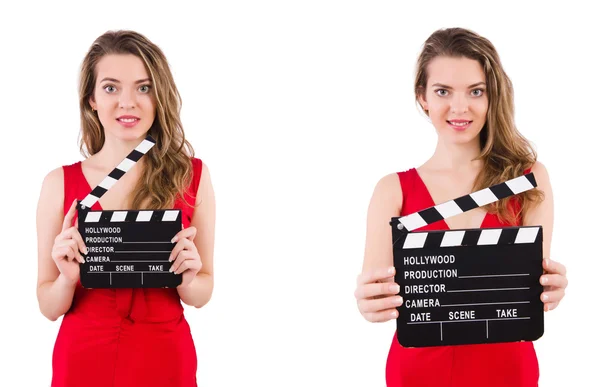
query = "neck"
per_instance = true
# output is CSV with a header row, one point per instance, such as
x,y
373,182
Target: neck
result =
x,y
456,157
114,151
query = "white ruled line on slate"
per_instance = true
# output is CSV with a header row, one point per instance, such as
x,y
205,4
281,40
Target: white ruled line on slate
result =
x,y
119,261
493,275
484,290
463,321
169,242
126,252
126,272
488,303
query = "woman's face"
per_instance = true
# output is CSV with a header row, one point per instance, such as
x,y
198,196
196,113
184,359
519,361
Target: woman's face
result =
x,y
456,98
123,97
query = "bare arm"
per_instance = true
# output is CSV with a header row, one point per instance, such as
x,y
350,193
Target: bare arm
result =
x,y
54,289
199,291
543,214
386,202
375,291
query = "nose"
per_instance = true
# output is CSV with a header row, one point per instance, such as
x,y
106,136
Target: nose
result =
x,y
459,104
127,99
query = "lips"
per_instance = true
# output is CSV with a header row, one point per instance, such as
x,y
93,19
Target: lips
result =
x,y
459,125
128,121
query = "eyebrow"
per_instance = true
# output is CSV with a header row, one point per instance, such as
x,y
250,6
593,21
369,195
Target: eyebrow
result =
x,y
448,87
117,81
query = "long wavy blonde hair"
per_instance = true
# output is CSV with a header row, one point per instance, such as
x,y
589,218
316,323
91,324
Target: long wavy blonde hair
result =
x,y
505,152
168,164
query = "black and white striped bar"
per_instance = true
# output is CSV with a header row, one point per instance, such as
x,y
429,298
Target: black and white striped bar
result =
x,y
469,286
128,249
118,172
471,237
468,202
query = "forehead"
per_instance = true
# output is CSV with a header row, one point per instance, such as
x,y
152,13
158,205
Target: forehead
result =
x,y
124,67
454,72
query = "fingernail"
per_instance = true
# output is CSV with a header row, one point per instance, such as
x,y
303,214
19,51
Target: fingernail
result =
x,y
544,280
174,239
394,314
171,269
170,258
544,297
85,251
394,288
391,270
398,300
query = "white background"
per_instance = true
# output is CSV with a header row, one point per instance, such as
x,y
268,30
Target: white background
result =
x,y
298,108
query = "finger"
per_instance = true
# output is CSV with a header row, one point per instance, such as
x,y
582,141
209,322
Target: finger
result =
x,y
74,234
189,233
554,267
64,253
376,289
551,296
184,261
71,244
189,264
188,258
183,244
68,221
373,306
182,256
376,275
556,280
383,316
76,255
550,306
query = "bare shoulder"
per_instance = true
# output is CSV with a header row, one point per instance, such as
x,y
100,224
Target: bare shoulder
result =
x,y
51,201
541,175
387,195
53,185
389,187
205,189
538,168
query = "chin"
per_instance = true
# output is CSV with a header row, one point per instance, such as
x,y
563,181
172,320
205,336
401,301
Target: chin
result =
x,y
128,134
461,138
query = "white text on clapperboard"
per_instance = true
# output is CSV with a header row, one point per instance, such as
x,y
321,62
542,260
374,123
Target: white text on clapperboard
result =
x,y
108,249
436,288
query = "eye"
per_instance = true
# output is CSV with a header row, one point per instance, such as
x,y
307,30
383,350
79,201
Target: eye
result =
x,y
110,88
478,94
441,92
145,88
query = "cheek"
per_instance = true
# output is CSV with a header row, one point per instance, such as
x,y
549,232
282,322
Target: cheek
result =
x,y
148,101
438,105
480,107
103,99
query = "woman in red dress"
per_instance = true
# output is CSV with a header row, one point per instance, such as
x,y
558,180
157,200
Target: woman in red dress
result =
x,y
461,86
126,337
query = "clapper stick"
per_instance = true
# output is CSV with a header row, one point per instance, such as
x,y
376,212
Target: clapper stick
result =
x,y
127,248
132,158
468,286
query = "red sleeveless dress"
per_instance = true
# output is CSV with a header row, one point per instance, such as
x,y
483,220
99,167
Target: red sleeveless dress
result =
x,y
124,337
489,365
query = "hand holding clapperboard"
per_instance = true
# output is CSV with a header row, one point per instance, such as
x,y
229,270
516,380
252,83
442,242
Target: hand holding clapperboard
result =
x,y
127,248
468,286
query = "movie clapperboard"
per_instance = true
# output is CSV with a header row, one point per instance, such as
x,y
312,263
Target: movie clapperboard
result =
x,y
468,286
127,248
